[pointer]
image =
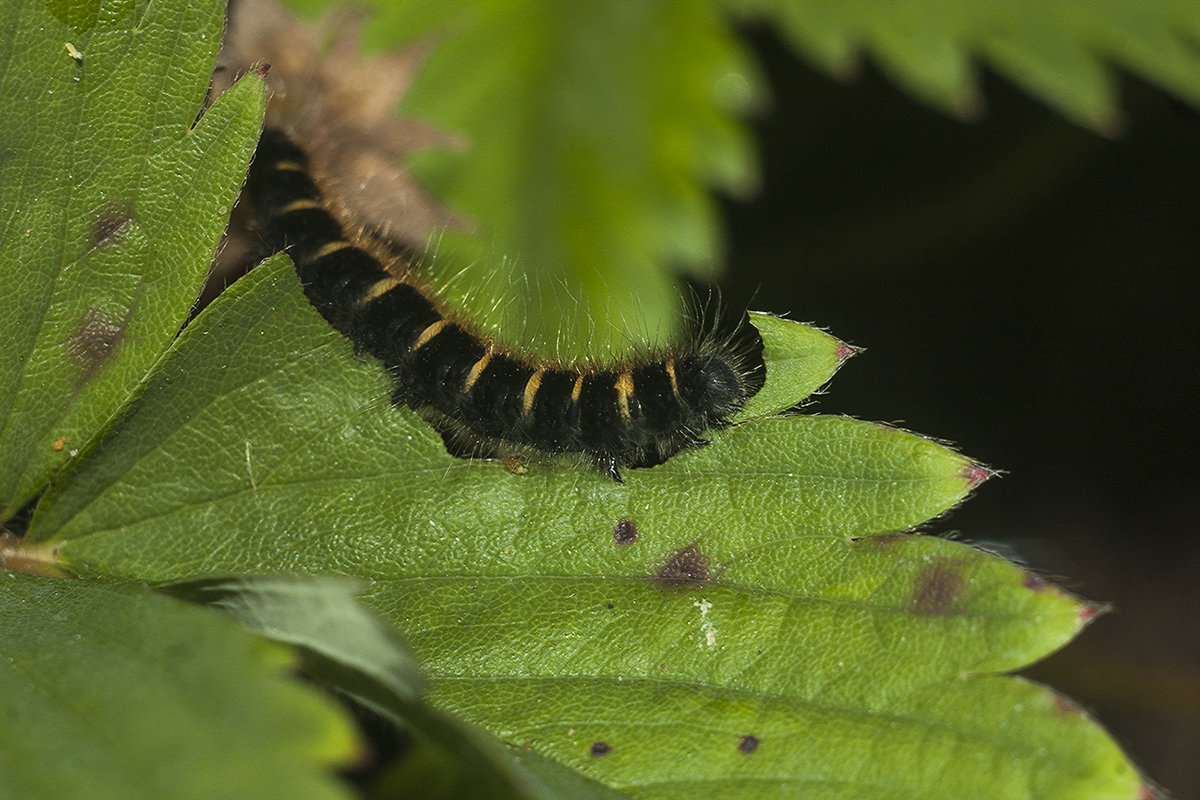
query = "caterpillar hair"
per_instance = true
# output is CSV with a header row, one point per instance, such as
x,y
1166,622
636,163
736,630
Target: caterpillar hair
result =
x,y
627,414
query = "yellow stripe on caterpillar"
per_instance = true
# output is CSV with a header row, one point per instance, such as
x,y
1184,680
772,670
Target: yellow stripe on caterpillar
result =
x,y
477,370
670,368
331,248
531,389
430,332
301,205
624,387
381,287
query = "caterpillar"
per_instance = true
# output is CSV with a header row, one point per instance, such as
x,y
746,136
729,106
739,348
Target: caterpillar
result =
x,y
627,414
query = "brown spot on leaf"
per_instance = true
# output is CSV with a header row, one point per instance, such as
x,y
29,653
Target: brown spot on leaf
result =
x,y
625,532
108,223
600,748
880,542
748,744
938,590
684,569
1035,583
93,341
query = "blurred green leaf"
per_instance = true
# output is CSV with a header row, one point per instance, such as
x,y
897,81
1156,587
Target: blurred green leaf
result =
x,y
114,197
1062,52
594,131
347,646
108,690
766,627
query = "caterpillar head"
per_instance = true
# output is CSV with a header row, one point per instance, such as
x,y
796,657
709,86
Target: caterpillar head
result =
x,y
710,385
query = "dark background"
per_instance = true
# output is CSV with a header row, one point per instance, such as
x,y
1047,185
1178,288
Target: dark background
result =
x,y
1026,290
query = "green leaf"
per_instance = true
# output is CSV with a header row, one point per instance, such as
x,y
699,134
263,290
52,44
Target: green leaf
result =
x,y
111,691
802,360
594,132
114,197
347,648
1062,52
745,616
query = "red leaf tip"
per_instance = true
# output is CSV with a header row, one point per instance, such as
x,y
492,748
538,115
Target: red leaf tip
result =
x,y
975,474
845,351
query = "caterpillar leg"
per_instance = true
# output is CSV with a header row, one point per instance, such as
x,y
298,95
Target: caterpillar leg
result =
x,y
609,465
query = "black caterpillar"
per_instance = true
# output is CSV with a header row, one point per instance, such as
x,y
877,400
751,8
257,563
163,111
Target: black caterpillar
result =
x,y
628,415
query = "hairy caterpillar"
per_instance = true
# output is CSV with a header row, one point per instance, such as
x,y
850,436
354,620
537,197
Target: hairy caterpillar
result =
x,y
625,415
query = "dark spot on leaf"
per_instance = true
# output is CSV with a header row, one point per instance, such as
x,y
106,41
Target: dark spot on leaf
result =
x,y
109,223
880,542
748,744
845,351
609,606
1034,582
938,590
684,569
601,748
625,532
93,342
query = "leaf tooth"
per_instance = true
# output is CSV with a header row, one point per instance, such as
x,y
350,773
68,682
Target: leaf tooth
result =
x,y
1089,611
975,473
845,352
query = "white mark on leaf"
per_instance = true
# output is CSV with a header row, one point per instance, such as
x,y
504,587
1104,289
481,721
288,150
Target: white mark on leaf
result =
x,y
706,624
250,467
